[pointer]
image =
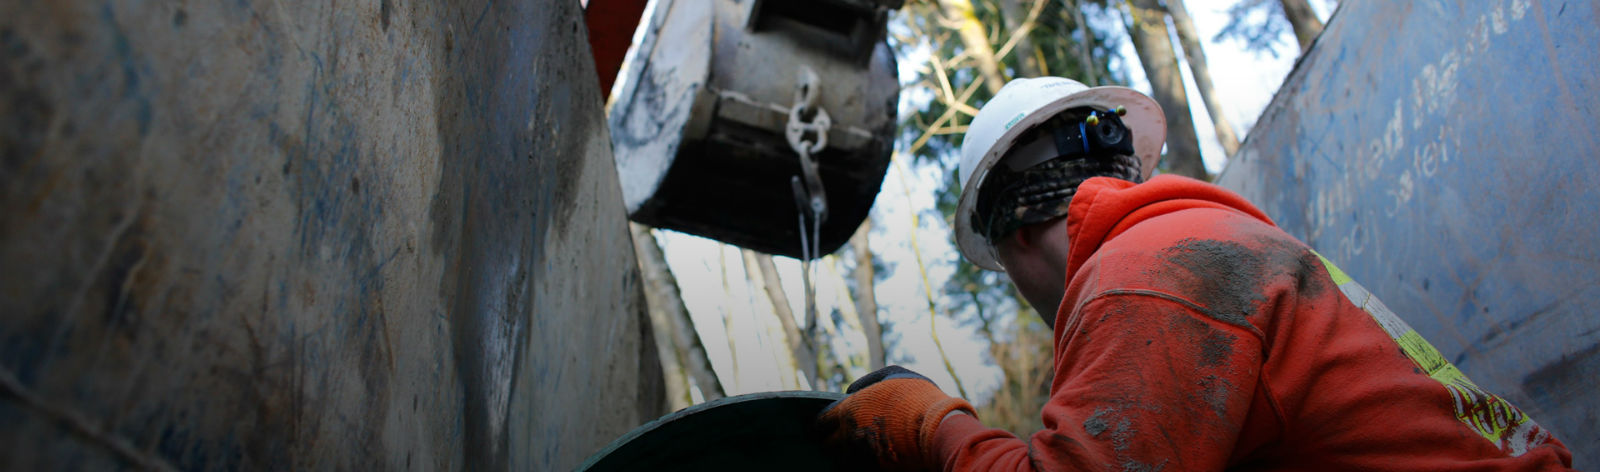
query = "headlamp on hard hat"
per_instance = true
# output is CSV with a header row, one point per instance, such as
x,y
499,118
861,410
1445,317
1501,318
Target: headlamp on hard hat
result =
x,y
1079,132
1035,181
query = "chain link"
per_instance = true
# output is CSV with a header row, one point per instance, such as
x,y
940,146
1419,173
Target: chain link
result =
x,y
798,130
809,196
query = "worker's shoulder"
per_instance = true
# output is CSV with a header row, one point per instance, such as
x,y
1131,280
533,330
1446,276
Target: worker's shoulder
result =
x,y
1200,226
1208,239
1218,260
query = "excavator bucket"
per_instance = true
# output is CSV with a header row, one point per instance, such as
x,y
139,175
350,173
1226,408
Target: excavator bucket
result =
x,y
699,125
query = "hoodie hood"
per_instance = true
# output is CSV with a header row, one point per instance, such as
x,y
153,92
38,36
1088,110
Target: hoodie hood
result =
x,y
1105,207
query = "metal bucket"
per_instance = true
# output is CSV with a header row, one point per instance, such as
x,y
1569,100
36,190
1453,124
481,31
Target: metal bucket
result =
x,y
761,431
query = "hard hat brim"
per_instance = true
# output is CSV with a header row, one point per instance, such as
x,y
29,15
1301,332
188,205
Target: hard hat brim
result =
x,y
1144,118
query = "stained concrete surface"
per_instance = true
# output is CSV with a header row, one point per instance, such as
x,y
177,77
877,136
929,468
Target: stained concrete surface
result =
x,y
265,234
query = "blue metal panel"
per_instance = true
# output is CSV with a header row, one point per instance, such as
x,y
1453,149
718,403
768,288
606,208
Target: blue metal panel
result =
x,y
1446,155
273,235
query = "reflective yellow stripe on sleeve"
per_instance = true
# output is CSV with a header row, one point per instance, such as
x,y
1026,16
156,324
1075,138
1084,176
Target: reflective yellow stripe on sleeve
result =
x,y
1487,414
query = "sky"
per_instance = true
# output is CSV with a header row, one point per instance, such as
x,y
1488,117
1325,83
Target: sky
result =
x,y
720,299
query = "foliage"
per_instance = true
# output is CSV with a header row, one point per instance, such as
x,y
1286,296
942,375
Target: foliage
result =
x,y
951,76
1261,25
1026,360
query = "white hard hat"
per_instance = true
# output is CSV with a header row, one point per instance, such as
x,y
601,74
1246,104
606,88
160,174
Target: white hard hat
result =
x,y
1023,104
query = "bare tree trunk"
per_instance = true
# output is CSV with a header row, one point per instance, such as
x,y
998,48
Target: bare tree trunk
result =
x,y
834,363
976,39
661,292
852,320
1305,22
1151,40
1085,54
784,357
727,318
672,374
1014,15
927,286
1202,74
866,295
805,358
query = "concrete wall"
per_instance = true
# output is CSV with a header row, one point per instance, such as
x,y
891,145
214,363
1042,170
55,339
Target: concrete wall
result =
x,y
1445,155
338,235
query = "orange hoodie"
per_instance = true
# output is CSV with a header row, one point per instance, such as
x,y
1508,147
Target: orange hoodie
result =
x,y
1195,335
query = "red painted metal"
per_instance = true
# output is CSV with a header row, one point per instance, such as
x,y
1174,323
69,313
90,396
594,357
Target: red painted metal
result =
x,y
611,24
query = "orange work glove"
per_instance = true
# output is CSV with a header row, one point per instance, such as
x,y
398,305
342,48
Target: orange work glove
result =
x,y
889,416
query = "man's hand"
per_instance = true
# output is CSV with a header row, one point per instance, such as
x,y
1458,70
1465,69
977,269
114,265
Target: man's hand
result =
x,y
889,416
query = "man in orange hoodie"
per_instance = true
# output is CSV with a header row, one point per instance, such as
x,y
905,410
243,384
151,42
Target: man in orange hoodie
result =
x,y
1190,332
